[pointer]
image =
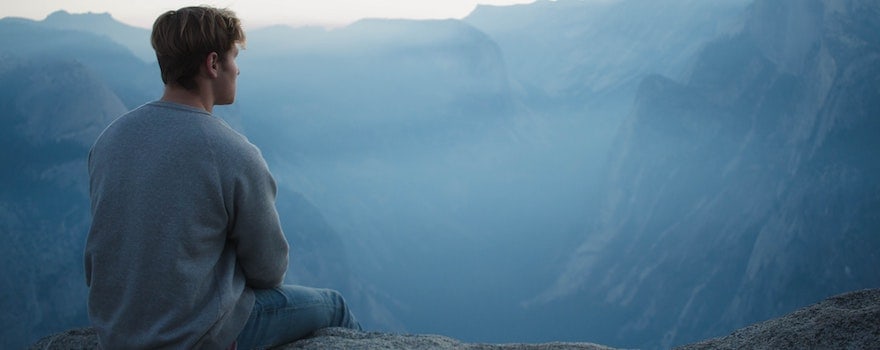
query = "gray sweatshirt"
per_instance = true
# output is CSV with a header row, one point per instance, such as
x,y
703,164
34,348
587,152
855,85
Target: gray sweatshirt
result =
x,y
184,226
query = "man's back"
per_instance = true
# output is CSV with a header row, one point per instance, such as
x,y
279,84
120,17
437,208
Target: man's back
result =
x,y
185,249
184,226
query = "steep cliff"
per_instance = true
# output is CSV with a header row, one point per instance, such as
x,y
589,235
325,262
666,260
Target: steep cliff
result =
x,y
579,54
747,191
52,112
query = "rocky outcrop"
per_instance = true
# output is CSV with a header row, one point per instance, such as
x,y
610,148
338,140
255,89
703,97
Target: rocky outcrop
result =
x,y
340,338
332,338
80,338
846,321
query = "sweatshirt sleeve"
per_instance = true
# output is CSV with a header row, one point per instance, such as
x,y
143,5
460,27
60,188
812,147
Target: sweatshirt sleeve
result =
x,y
261,249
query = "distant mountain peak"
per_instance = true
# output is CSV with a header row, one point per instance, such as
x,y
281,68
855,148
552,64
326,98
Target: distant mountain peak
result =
x,y
136,39
67,20
63,15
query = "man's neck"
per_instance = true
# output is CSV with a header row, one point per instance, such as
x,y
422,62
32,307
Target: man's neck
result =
x,y
178,94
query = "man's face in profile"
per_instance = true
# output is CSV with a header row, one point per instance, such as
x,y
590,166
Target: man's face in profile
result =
x,y
225,84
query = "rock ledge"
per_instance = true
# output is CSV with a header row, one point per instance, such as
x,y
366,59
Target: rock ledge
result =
x,y
846,321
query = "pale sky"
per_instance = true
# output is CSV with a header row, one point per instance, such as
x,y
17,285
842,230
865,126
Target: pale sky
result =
x,y
257,13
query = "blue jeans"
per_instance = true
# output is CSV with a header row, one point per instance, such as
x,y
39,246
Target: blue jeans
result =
x,y
288,313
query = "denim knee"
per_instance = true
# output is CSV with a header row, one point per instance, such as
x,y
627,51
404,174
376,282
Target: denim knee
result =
x,y
345,318
335,295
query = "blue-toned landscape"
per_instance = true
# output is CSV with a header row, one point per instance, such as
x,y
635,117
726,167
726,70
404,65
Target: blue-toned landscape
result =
x,y
640,174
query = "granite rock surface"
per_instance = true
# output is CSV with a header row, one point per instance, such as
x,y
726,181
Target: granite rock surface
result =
x,y
846,321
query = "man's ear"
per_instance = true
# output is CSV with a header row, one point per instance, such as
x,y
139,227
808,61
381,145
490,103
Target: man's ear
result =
x,y
212,64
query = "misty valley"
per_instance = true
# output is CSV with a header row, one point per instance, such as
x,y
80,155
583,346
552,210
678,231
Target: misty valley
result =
x,y
630,173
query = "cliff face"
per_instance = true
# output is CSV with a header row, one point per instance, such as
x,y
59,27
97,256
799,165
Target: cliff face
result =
x,y
578,54
747,191
52,111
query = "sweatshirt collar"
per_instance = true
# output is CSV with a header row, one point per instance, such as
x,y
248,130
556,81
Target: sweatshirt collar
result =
x,y
180,106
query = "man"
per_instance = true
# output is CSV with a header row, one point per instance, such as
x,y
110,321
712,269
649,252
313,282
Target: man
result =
x,y
185,250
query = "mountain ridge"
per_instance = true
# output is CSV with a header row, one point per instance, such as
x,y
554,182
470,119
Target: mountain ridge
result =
x,y
136,39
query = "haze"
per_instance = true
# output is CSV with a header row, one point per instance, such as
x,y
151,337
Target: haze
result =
x,y
259,13
638,174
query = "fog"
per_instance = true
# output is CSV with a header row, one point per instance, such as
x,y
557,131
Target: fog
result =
x,y
627,173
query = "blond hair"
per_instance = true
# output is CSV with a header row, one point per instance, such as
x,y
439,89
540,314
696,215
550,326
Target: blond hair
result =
x,y
183,38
